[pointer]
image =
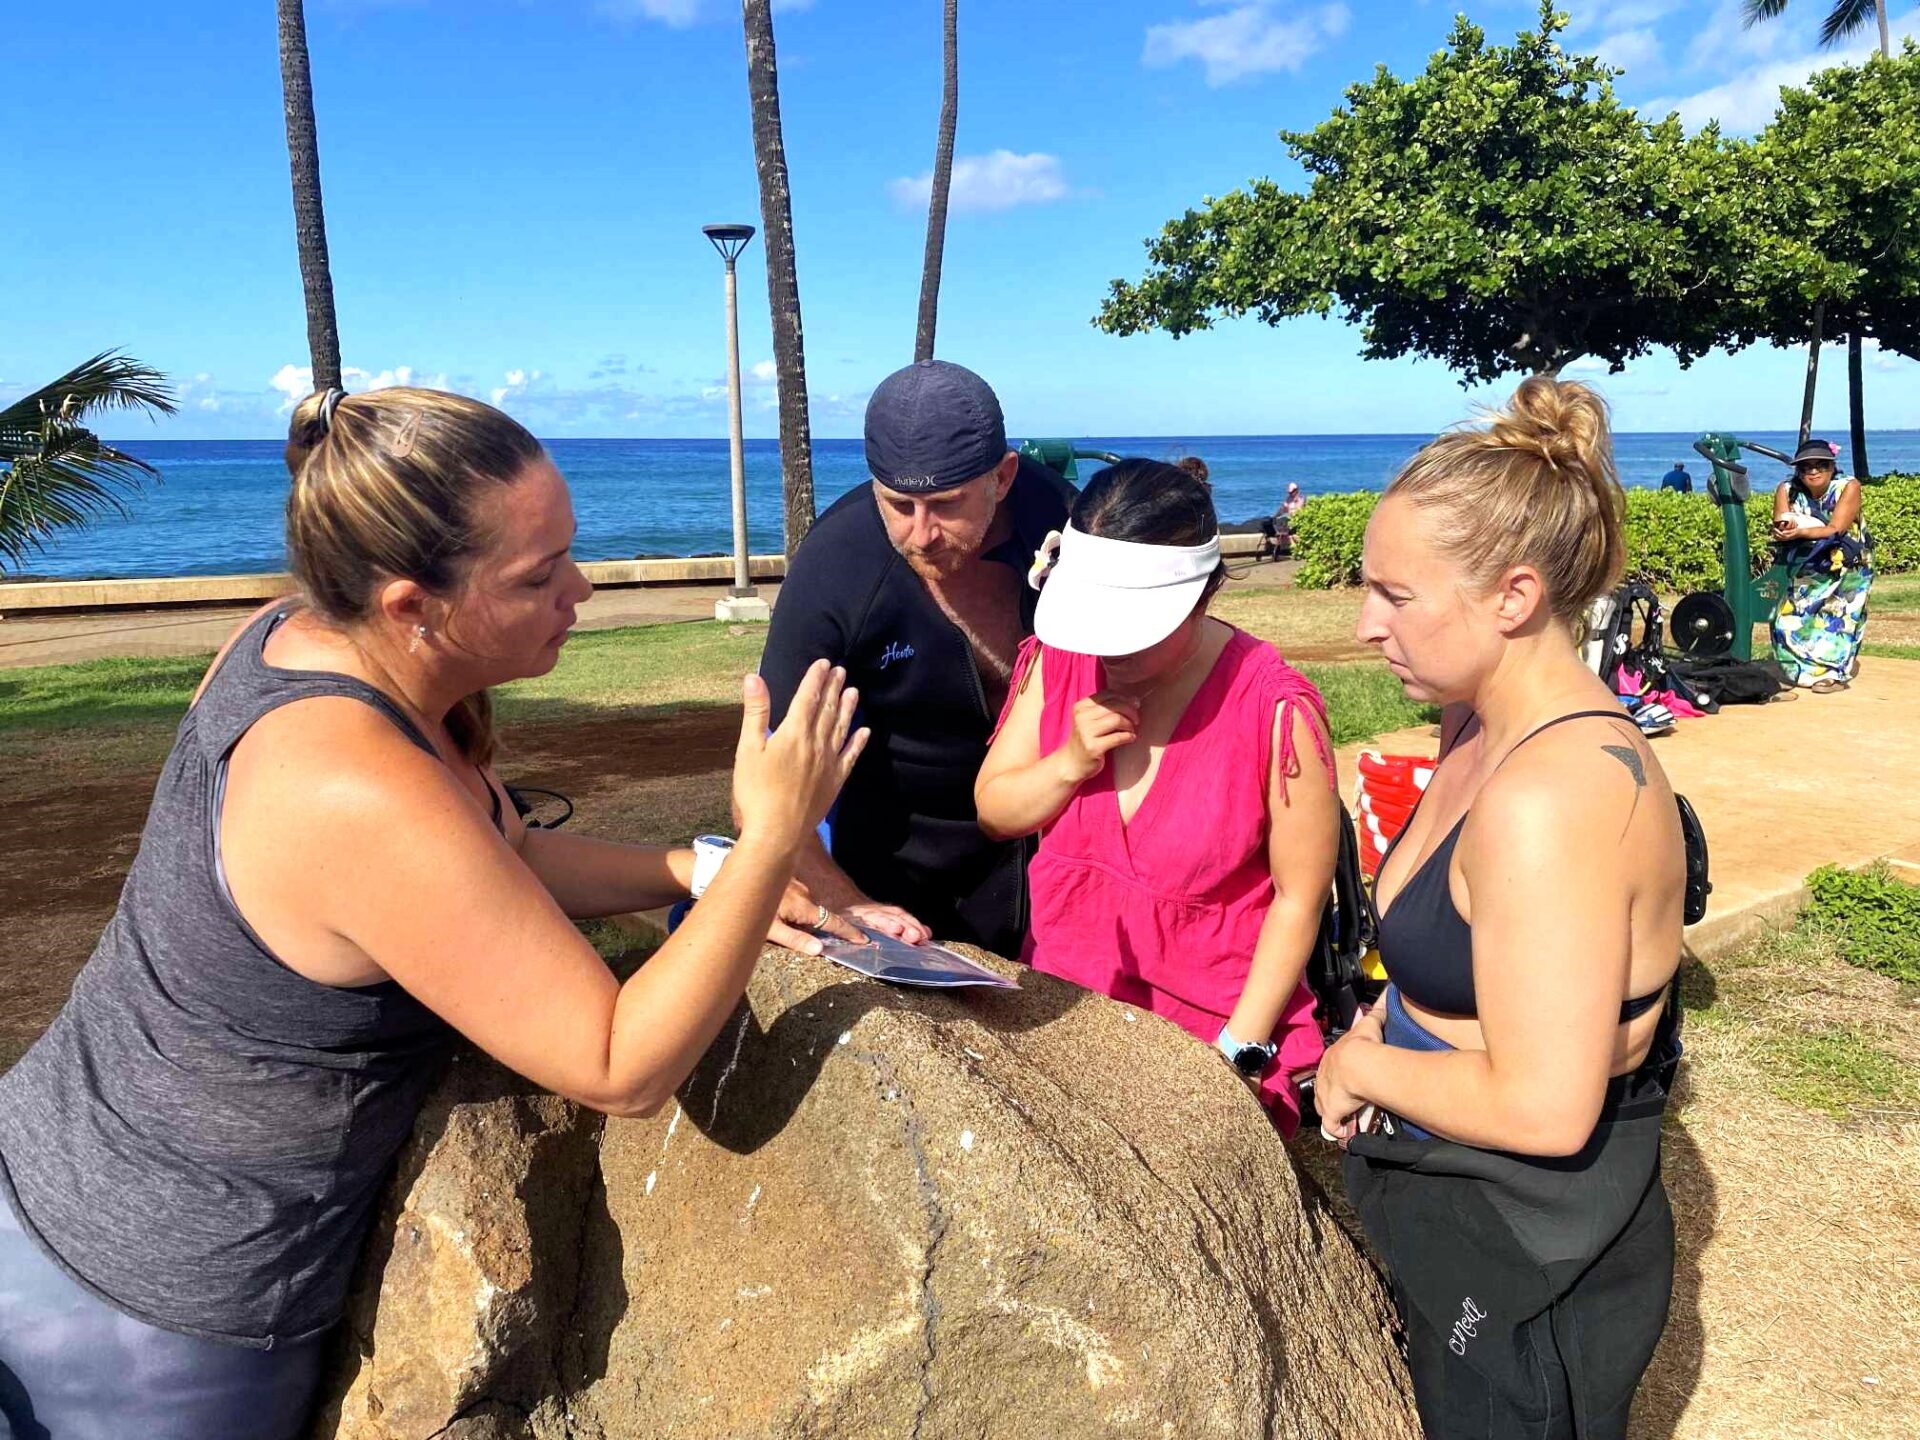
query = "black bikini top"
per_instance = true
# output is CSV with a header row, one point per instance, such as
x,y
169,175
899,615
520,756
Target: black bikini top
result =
x,y
1425,945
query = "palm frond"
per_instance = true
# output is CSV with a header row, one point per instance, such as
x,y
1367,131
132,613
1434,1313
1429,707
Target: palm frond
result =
x,y
109,381
1845,18
1755,12
55,473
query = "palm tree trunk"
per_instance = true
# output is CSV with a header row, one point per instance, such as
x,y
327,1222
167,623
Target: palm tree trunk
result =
x,y
1880,14
783,283
942,183
1856,407
309,222
1813,369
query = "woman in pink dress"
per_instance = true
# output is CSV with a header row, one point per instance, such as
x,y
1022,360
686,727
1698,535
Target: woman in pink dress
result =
x,y
1180,776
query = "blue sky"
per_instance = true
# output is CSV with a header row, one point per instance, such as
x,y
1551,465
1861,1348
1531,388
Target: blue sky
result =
x,y
514,192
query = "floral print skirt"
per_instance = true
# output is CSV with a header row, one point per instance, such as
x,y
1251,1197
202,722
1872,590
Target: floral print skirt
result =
x,y
1820,622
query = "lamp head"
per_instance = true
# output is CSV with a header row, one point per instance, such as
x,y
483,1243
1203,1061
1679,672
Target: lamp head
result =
x,y
729,240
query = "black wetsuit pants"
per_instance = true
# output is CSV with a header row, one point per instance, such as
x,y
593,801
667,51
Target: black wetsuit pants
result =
x,y
1532,1290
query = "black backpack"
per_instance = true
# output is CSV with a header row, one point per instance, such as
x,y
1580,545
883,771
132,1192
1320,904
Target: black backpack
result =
x,y
1631,637
1723,680
1348,929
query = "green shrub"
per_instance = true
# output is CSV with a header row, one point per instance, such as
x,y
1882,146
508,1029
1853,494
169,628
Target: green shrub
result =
x,y
1876,916
1674,542
1328,533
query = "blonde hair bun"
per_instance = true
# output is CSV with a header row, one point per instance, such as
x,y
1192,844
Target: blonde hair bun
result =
x,y
1535,485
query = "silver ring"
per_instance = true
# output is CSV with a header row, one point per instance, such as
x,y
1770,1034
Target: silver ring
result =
x,y
820,920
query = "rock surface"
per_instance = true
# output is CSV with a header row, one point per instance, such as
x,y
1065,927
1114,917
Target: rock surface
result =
x,y
871,1212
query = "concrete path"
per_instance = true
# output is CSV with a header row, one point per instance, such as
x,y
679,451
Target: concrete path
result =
x,y
1781,790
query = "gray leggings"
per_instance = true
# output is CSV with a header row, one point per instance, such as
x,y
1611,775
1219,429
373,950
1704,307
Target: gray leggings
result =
x,y
75,1368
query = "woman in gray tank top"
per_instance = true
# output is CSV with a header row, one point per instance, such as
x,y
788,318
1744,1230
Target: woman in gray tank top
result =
x,y
328,889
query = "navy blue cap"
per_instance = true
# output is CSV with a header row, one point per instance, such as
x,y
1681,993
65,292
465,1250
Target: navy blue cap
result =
x,y
932,426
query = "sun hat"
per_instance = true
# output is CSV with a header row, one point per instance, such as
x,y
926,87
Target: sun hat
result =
x,y
1116,597
931,426
1814,450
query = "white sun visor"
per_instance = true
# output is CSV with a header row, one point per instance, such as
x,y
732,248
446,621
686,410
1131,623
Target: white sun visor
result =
x,y
1117,597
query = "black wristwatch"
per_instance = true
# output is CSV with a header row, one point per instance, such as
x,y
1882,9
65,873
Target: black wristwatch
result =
x,y
1249,1058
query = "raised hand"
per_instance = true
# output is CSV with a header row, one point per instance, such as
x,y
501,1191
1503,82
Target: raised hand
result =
x,y
784,783
1102,723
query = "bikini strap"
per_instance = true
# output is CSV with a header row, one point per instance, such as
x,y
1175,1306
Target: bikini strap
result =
x,y
1620,715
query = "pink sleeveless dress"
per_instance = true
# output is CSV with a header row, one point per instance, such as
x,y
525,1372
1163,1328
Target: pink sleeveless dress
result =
x,y
1164,911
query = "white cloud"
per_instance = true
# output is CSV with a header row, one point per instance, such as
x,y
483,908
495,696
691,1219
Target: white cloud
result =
x,y
1747,102
1834,352
1592,367
295,382
998,181
676,14
682,14
1630,50
1249,39
765,372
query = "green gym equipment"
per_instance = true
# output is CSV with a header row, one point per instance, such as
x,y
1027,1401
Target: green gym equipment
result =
x,y
1707,622
1060,456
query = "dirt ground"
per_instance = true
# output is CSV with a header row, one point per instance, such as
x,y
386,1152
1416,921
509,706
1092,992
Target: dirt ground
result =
x,y
1796,1310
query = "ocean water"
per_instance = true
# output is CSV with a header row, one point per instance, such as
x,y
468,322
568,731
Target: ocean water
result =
x,y
218,507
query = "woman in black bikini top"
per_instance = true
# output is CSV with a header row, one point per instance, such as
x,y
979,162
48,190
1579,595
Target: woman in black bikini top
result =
x,y
1529,931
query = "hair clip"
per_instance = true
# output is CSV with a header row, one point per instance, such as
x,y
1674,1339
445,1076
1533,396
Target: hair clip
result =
x,y
405,437
1044,559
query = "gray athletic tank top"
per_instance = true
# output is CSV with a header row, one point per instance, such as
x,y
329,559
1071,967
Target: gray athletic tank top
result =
x,y
201,1135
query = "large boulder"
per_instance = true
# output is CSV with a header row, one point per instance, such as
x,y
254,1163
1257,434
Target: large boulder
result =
x,y
871,1212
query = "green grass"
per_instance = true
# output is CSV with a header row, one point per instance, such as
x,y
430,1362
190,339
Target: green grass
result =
x,y
638,667
1835,1069
1364,700
1890,652
1895,595
124,692
1874,917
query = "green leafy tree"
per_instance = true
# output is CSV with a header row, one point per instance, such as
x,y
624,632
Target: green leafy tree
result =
x,y
1502,211
1842,159
1847,17
55,473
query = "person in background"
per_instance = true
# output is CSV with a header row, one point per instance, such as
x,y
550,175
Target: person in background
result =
x,y
1677,479
1180,776
916,584
1530,924
1823,540
330,886
1291,505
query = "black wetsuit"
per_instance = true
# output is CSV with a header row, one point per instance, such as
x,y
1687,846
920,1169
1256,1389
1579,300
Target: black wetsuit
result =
x,y
905,829
1533,1289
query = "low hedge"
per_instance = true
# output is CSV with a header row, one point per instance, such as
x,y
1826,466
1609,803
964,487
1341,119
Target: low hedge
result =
x,y
1876,916
1674,542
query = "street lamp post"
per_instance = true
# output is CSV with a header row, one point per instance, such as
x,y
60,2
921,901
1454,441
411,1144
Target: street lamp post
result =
x,y
743,602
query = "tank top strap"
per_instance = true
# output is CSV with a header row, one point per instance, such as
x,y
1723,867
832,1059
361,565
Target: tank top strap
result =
x,y
1277,686
245,688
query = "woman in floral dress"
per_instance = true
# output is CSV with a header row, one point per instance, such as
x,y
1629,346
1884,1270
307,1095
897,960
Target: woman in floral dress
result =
x,y
1819,623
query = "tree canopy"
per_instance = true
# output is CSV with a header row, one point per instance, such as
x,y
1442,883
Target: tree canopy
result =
x,y
1502,211
1840,164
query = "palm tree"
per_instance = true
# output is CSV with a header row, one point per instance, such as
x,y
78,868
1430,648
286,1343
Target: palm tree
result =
x,y
309,221
942,183
783,282
1847,17
55,474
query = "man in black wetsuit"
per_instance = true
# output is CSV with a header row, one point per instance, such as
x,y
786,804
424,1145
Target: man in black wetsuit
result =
x,y
917,584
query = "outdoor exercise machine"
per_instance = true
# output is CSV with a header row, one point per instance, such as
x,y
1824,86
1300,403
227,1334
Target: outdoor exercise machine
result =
x,y
1708,622
1059,456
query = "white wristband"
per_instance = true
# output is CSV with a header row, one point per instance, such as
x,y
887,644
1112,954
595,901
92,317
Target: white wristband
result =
x,y
709,854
